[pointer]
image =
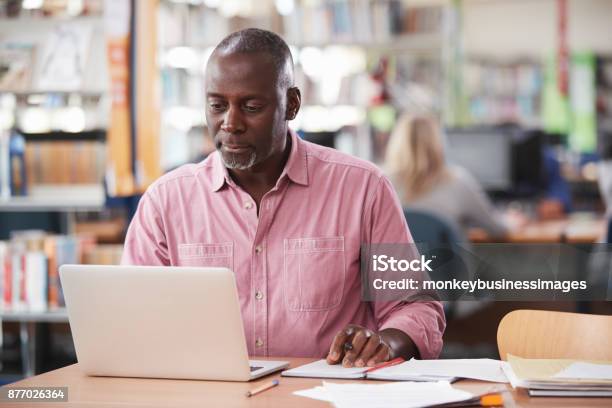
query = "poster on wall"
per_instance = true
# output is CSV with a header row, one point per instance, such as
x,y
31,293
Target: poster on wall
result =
x,y
64,57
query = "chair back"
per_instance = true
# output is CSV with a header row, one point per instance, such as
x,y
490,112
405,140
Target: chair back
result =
x,y
431,228
556,335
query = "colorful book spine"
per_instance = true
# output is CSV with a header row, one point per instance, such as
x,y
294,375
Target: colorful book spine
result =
x,y
6,283
35,280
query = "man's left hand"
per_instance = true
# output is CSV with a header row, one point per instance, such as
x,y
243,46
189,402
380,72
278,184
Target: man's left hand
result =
x,y
357,346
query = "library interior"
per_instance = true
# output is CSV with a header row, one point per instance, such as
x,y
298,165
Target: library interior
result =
x,y
491,120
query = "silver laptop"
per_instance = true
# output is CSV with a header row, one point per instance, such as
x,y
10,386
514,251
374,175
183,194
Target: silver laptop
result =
x,y
159,322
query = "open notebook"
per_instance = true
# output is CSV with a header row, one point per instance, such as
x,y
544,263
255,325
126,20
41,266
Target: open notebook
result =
x,y
320,369
413,370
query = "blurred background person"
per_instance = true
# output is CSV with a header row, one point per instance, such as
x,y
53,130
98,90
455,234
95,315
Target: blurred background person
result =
x,y
424,180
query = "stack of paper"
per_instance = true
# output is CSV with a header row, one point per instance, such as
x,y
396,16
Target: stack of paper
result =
x,y
401,394
414,370
570,378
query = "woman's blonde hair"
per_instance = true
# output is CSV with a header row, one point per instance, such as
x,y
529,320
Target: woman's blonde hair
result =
x,y
415,156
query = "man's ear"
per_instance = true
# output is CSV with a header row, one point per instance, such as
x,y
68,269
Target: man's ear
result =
x,y
294,101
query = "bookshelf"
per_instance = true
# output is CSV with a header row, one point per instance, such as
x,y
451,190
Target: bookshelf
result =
x,y
58,198
59,123
499,92
28,327
48,316
53,106
337,47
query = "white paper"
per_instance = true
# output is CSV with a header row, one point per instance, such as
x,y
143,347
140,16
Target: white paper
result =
x,y
318,393
398,394
514,380
586,371
483,369
320,369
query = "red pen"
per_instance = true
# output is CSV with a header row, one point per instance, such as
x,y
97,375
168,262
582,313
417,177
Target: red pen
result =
x,y
386,364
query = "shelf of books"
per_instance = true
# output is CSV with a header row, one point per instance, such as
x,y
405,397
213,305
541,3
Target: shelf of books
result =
x,y
358,63
53,106
29,264
499,92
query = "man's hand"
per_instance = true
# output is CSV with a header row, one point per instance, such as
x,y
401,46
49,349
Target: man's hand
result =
x,y
356,346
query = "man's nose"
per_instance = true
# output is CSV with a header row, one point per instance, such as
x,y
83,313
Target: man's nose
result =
x,y
232,121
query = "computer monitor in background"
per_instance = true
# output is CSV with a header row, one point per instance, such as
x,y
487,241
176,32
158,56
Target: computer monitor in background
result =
x,y
485,153
322,138
528,162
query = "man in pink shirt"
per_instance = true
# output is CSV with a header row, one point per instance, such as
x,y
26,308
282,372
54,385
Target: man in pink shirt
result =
x,y
287,216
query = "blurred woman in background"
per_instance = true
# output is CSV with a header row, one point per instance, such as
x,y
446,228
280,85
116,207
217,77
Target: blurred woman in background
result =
x,y
424,181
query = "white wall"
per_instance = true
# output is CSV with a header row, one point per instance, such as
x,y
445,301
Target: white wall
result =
x,y
528,28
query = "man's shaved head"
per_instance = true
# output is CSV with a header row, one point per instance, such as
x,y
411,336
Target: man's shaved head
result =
x,y
255,40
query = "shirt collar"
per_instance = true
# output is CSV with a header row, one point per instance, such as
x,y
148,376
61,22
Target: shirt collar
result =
x,y
296,168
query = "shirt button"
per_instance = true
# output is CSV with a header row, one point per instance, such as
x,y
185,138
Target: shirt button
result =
x,y
258,249
258,295
248,205
259,342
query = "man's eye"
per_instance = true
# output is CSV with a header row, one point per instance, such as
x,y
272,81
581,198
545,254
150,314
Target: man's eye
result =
x,y
216,107
252,108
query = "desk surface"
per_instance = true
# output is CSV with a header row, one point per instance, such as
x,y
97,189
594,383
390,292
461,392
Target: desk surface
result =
x,y
135,392
571,230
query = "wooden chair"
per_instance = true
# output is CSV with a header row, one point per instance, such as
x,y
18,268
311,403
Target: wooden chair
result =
x,y
547,334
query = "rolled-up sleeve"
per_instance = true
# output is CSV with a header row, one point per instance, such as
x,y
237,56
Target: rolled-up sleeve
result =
x,y
145,242
422,320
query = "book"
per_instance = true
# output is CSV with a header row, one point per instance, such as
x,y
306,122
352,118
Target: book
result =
x,y
5,276
568,393
29,263
35,267
560,377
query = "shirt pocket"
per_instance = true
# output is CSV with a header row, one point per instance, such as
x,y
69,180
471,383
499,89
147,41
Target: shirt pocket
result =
x,y
214,255
313,273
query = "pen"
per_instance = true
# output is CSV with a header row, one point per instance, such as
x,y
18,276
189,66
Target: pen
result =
x,y
262,388
389,363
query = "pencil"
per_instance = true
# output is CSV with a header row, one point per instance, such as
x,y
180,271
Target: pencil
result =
x,y
262,388
389,363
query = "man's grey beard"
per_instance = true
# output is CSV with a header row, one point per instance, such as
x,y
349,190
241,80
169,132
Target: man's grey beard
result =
x,y
232,161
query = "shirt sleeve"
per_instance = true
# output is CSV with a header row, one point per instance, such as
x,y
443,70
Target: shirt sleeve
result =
x,y
422,320
145,242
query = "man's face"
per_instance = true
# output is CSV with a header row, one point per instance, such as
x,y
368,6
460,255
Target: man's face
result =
x,y
245,109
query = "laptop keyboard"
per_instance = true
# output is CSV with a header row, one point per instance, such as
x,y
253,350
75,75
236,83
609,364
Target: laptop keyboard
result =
x,y
255,368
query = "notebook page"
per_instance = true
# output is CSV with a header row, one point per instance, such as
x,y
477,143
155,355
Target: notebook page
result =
x,y
320,369
483,369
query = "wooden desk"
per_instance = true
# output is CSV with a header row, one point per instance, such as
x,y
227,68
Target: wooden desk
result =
x,y
96,392
573,231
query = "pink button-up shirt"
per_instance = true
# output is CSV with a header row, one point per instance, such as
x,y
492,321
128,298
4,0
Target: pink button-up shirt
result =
x,y
297,264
